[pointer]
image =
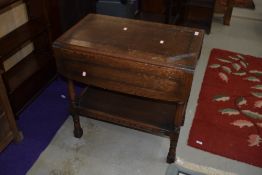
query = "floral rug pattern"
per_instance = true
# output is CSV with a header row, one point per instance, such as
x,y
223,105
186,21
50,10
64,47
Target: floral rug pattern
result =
x,y
228,119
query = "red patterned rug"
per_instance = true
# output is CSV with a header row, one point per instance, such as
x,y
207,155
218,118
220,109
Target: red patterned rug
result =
x,y
228,119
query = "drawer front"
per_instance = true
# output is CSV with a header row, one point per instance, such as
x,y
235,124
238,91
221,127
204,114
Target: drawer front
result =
x,y
127,76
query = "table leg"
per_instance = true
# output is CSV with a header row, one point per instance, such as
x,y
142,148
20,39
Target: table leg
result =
x,y
78,131
178,122
172,149
228,12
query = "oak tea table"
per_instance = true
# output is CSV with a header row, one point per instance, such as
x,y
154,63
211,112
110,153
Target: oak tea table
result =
x,y
138,74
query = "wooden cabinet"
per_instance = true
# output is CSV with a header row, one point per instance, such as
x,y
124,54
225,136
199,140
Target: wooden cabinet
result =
x,y
27,76
8,128
197,13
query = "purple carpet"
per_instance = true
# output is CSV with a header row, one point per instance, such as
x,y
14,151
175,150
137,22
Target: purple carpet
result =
x,y
39,122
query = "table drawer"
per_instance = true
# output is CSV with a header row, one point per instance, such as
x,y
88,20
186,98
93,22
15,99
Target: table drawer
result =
x,y
126,76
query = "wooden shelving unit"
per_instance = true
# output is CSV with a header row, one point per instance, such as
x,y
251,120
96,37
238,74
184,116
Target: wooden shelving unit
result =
x,y
8,128
27,77
11,42
5,3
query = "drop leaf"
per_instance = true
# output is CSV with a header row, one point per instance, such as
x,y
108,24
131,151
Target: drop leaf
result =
x,y
229,111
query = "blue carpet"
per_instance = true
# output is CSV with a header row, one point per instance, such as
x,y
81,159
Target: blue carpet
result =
x,y
39,122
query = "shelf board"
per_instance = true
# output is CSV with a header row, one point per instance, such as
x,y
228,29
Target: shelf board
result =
x,y
6,3
24,69
123,109
28,90
12,42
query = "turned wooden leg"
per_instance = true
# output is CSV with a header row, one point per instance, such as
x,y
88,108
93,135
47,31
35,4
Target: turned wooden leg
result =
x,y
228,12
173,135
78,131
172,149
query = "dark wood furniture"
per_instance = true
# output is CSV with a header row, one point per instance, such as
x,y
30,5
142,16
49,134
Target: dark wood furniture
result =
x,y
53,11
8,128
228,12
26,78
226,8
71,12
152,10
197,13
190,13
138,73
164,11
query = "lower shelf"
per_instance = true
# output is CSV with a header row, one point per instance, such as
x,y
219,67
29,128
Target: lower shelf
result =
x,y
31,87
25,69
131,111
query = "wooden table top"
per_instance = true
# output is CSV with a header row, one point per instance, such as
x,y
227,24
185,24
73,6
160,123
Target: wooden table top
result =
x,y
148,42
